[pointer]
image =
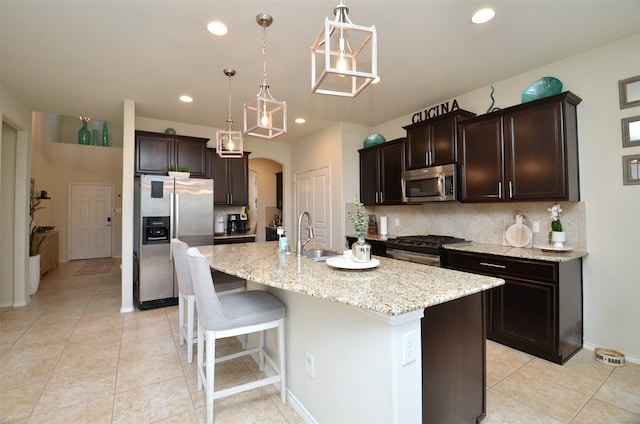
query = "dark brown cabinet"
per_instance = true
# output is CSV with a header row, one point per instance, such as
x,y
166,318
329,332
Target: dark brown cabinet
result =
x,y
538,310
381,168
454,384
525,152
434,142
156,152
230,179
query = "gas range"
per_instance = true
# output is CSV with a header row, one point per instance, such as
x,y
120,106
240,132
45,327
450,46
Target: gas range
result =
x,y
421,249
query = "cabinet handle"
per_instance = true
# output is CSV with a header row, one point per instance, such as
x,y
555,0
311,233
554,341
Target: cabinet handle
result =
x,y
381,198
492,265
377,196
510,190
231,198
499,188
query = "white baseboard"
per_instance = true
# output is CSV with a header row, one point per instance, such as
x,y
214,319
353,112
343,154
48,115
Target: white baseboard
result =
x,y
295,403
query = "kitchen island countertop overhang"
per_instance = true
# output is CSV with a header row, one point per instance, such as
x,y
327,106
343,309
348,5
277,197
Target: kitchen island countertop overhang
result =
x,y
392,288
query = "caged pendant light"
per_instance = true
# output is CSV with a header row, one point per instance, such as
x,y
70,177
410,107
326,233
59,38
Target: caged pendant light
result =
x,y
228,141
344,57
265,116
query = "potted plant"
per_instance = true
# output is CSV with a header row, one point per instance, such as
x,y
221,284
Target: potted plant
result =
x,y
557,236
34,248
360,220
179,171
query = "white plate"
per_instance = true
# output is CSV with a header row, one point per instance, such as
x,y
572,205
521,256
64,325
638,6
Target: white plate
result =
x,y
343,263
518,235
553,248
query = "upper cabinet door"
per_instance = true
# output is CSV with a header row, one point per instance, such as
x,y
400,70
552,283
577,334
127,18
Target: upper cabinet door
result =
x,y
238,180
443,136
369,176
481,158
218,171
417,146
191,153
535,153
153,154
391,168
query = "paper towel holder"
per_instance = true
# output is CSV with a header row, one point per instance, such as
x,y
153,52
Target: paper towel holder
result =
x,y
383,227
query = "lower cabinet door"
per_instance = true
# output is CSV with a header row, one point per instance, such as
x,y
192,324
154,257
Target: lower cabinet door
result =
x,y
526,313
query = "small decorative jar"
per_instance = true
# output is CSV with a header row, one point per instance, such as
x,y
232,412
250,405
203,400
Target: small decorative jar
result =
x,y
361,250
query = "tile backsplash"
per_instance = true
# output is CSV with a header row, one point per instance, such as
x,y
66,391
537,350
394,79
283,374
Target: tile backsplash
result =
x,y
480,222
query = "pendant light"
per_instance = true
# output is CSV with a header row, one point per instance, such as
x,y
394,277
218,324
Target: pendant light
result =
x,y
265,116
228,141
344,57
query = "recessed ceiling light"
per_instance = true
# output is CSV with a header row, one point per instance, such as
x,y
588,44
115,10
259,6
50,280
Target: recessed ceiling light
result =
x,y
483,15
186,99
300,121
217,28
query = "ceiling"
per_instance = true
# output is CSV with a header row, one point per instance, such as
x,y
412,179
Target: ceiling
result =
x,y
84,57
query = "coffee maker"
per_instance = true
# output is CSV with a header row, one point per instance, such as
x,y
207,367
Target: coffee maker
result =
x,y
236,223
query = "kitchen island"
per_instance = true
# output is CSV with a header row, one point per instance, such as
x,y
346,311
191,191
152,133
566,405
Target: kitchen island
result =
x,y
354,337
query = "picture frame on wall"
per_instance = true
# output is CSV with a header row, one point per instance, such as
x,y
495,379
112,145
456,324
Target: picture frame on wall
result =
x,y
631,131
629,90
631,170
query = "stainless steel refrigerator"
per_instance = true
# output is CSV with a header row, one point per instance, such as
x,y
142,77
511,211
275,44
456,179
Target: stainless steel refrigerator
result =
x,y
167,207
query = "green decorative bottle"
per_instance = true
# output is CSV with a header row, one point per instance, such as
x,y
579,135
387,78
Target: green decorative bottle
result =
x,y
105,134
84,135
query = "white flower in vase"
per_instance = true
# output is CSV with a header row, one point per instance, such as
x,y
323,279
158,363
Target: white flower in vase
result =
x,y
557,235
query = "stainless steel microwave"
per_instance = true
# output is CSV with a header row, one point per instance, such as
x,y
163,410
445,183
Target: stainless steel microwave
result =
x,y
432,184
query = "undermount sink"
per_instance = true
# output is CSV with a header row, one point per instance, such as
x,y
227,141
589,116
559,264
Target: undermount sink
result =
x,y
319,255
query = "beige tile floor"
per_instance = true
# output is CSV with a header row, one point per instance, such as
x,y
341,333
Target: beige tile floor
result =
x,y
70,356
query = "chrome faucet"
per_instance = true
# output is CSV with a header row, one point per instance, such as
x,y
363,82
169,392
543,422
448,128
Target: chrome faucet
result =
x,y
300,244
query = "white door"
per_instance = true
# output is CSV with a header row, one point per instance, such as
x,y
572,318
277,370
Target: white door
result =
x,y
90,221
313,194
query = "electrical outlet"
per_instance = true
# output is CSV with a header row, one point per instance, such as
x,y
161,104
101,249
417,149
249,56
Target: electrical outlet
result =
x,y
397,222
535,226
409,342
310,365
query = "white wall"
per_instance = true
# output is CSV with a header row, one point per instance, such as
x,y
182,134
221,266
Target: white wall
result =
x,y
335,146
612,269
55,165
16,210
266,170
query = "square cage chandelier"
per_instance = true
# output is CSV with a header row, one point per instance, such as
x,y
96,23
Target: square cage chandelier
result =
x,y
228,141
344,56
265,116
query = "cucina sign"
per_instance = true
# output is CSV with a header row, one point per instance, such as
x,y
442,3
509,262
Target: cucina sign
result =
x,y
434,111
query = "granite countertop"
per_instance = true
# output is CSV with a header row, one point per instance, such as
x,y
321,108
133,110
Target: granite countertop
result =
x,y
518,252
393,288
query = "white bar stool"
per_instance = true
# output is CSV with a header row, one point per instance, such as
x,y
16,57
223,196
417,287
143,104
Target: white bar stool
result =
x,y
230,315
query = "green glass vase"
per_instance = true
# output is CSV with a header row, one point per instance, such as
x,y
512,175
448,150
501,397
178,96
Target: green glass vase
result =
x,y
84,135
105,134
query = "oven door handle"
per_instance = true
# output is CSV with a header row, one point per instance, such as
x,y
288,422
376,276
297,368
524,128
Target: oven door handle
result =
x,y
421,258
